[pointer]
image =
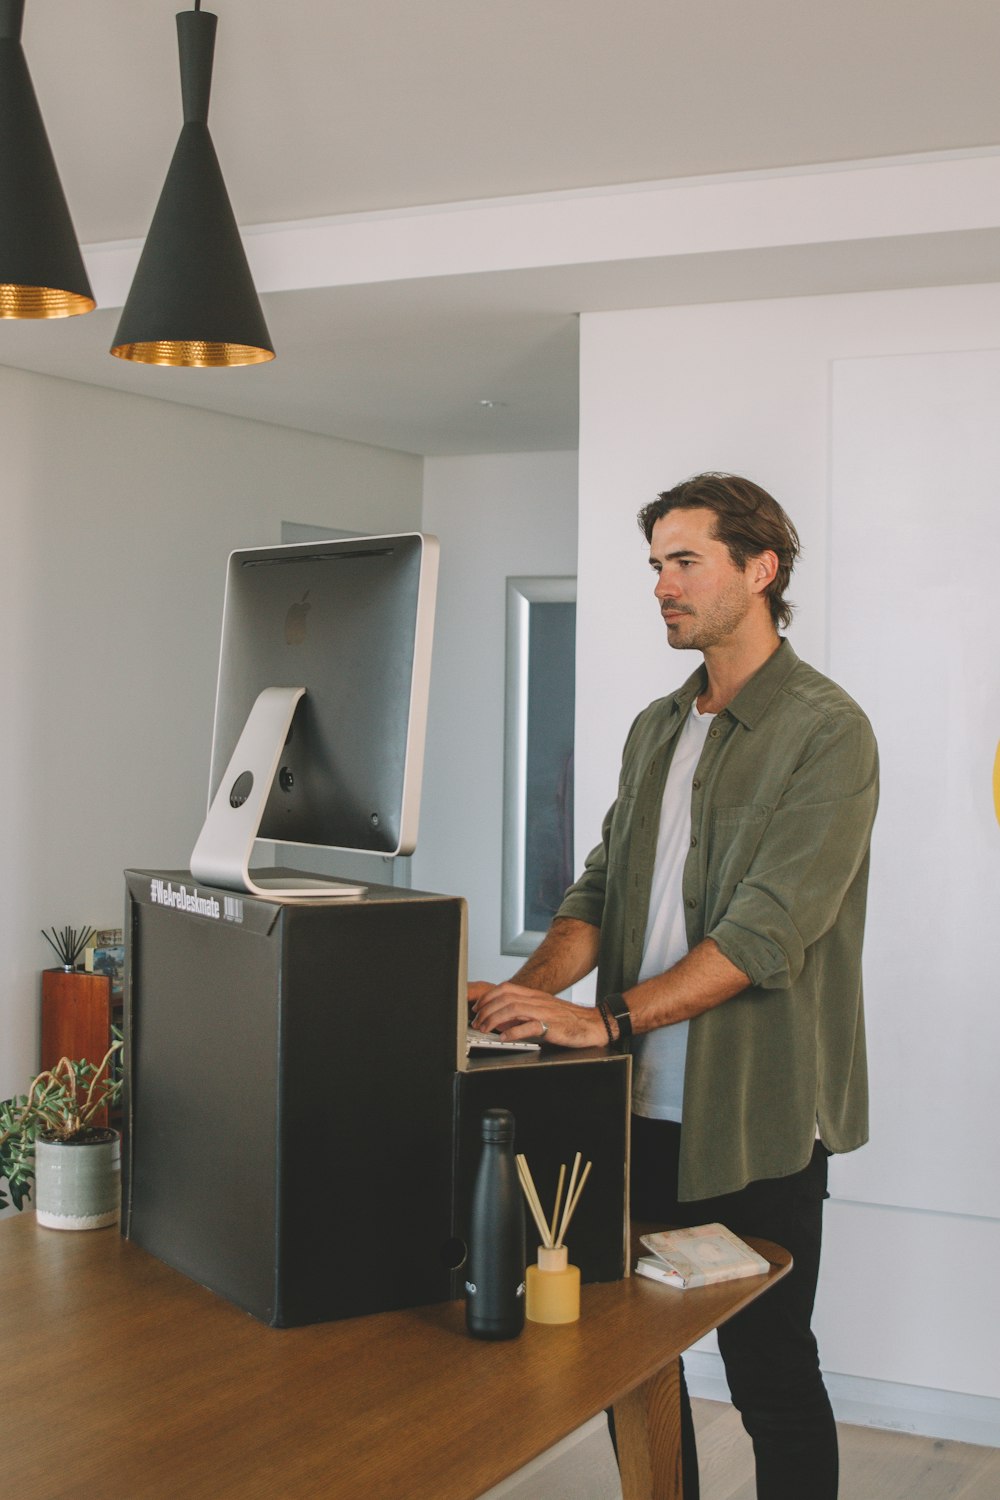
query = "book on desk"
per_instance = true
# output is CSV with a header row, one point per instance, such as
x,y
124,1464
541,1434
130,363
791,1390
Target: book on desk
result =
x,y
698,1256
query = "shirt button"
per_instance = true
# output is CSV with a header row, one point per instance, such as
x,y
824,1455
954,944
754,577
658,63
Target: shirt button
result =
x,y
715,732
694,842
696,783
691,902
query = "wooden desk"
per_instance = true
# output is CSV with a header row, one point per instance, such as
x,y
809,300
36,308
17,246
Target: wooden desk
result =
x,y
121,1378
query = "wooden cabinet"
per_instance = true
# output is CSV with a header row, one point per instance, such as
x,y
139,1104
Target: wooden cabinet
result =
x,y
78,1011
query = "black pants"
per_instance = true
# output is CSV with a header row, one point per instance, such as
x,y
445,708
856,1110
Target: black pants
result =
x,y
768,1350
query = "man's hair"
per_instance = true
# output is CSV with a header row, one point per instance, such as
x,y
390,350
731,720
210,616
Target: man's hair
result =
x,y
747,519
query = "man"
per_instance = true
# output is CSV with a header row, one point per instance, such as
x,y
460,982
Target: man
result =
x,y
724,909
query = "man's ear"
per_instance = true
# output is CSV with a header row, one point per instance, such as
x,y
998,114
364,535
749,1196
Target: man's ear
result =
x,y
763,570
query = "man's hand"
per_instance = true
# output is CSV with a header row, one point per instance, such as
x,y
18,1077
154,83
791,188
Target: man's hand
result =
x,y
525,1015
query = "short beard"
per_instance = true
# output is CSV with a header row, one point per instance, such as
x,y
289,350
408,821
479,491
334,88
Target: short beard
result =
x,y
713,624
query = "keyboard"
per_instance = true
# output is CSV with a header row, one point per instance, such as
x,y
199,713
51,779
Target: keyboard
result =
x,y
491,1041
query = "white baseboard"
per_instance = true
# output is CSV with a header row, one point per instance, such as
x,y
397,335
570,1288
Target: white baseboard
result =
x,y
876,1403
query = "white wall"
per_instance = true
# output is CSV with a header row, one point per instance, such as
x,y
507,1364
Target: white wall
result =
x,y
747,387
119,513
496,516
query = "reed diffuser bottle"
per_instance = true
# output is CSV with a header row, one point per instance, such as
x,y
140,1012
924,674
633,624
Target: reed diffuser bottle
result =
x,y
553,1285
494,1280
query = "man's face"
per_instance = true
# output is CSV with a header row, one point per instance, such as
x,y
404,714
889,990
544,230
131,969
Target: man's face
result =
x,y
703,597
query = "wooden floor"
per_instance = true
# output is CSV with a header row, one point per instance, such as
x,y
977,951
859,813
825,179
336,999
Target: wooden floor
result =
x,y
874,1464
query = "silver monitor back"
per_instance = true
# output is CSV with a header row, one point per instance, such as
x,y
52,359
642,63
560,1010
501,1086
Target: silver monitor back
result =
x,y
351,622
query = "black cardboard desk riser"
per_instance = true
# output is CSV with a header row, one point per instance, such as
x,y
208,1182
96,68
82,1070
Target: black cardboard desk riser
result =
x,y
301,1133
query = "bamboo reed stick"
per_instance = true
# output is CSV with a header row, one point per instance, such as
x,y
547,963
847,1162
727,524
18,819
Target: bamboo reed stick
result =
x,y
569,1194
571,1205
555,1211
534,1203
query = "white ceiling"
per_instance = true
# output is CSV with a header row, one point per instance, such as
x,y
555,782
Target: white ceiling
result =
x,y
325,108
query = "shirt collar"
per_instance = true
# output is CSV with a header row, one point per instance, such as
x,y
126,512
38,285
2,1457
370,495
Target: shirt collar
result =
x,y
753,698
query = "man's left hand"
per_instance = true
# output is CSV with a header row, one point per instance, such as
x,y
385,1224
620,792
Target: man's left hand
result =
x,y
525,1015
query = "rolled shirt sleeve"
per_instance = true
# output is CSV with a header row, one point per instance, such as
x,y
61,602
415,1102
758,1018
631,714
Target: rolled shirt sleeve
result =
x,y
809,849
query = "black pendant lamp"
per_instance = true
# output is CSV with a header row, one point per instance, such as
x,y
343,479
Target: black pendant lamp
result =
x,y
41,269
193,301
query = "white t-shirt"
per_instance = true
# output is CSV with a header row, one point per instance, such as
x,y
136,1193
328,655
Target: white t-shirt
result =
x,y
658,1056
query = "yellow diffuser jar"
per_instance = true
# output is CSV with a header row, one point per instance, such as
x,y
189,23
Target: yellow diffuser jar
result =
x,y
552,1292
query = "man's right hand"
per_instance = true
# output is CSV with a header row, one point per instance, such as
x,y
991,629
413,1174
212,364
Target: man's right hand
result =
x,y
522,1014
567,952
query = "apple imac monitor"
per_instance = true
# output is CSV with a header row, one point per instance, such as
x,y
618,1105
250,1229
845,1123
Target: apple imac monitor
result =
x,y
321,706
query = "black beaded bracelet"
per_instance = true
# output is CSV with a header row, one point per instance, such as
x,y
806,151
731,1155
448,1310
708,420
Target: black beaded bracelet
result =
x,y
602,1011
621,1014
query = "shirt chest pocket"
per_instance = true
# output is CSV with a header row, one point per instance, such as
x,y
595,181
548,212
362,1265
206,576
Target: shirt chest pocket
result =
x,y
734,836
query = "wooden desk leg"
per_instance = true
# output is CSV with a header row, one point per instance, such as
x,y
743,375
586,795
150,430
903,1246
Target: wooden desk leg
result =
x,y
648,1433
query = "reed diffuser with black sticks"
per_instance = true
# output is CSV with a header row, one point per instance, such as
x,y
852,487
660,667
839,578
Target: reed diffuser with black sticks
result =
x,y
69,944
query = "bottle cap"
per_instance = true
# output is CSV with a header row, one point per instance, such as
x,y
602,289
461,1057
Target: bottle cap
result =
x,y
498,1125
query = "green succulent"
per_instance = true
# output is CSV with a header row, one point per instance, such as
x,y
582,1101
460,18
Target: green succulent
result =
x,y
60,1105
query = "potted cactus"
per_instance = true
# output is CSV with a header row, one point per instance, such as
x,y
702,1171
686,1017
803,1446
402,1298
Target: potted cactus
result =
x,y
49,1136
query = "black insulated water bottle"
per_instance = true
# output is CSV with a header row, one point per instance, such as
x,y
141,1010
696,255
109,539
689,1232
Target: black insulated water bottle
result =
x,y
494,1273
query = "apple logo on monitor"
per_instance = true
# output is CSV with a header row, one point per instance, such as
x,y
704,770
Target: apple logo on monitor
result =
x,y
295,621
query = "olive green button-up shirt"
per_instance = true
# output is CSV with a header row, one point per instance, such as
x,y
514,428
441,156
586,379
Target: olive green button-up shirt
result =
x,y
782,806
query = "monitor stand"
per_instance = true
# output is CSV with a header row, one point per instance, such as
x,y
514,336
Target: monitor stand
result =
x,y
221,857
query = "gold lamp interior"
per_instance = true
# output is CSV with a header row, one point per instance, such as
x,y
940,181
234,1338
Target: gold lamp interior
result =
x,y
192,352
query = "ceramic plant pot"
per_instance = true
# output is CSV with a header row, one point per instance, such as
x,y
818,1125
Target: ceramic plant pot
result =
x,y
78,1184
